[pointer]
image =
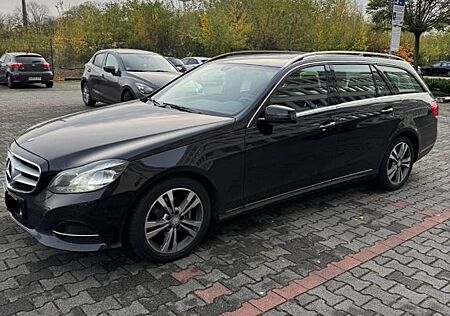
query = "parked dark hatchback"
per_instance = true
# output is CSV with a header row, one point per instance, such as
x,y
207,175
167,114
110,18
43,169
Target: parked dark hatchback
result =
x,y
440,69
239,132
17,68
117,75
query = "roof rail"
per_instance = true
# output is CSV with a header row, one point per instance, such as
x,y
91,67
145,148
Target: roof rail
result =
x,y
254,52
343,52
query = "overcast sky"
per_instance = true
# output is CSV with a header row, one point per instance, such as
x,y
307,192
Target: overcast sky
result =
x,y
8,6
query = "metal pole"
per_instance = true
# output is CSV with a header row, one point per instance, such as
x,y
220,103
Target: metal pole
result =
x,y
51,55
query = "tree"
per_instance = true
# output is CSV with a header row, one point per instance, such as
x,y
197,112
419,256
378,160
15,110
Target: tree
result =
x,y
420,16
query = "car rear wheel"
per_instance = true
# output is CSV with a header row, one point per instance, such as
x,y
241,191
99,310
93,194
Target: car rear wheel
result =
x,y
397,164
170,220
9,82
49,84
87,97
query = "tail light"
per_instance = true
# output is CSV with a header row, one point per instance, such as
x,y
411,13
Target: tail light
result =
x,y
46,66
434,109
18,66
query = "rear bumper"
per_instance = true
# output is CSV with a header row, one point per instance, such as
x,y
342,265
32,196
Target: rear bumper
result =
x,y
27,76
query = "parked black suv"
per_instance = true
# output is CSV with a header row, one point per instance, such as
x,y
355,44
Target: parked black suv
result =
x,y
117,75
16,68
239,132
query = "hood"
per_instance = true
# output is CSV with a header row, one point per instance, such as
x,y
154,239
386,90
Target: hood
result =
x,y
125,131
154,79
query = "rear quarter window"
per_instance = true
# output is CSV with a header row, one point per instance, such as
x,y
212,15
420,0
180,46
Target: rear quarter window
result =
x,y
401,80
98,59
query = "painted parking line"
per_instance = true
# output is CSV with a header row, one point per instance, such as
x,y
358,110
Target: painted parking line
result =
x,y
299,286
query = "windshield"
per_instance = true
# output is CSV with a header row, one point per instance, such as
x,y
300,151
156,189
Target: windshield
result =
x,y
146,62
218,88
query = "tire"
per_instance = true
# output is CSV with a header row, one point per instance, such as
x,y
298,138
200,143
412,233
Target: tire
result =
x,y
9,82
152,228
86,95
397,164
127,96
49,84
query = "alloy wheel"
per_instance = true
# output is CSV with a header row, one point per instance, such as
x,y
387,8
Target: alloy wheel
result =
x,y
399,163
86,94
174,220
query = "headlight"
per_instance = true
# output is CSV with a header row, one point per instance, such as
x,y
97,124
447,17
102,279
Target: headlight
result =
x,y
88,178
144,88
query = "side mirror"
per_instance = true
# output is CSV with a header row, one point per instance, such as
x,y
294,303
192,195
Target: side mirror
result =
x,y
280,114
112,70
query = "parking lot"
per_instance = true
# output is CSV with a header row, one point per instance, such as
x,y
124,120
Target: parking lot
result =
x,y
355,250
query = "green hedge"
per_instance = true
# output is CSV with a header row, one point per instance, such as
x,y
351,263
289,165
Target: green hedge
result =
x,y
440,87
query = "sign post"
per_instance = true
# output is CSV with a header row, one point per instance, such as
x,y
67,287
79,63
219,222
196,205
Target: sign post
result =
x,y
398,14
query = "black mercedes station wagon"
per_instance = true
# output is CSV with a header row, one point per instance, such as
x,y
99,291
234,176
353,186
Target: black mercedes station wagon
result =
x,y
239,132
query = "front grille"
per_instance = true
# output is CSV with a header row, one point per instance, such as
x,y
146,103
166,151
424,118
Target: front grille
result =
x,y
22,175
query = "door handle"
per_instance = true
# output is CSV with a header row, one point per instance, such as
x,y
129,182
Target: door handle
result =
x,y
387,110
328,125
103,75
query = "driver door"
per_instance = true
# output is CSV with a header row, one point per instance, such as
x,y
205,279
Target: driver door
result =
x,y
285,157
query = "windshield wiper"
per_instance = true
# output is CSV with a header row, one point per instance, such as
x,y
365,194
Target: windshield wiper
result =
x,y
172,106
181,108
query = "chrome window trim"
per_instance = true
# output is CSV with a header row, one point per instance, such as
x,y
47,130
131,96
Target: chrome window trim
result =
x,y
332,107
28,161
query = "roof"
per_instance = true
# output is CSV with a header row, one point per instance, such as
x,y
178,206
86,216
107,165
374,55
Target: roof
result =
x,y
286,58
24,53
127,51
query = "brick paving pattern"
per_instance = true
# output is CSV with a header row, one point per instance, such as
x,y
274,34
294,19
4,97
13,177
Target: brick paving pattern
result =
x,y
354,250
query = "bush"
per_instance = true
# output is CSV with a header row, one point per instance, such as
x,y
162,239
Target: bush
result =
x,y
440,87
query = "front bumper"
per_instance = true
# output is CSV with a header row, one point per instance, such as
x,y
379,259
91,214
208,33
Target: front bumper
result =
x,y
78,222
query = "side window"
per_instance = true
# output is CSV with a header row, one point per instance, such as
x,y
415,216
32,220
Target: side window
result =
x,y
381,86
303,90
111,60
401,80
7,59
354,82
98,59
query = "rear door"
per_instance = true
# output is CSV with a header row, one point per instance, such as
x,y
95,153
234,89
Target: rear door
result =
x,y
95,76
365,118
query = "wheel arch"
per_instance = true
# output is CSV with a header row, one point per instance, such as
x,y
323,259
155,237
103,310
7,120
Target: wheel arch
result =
x,y
126,89
187,172
413,137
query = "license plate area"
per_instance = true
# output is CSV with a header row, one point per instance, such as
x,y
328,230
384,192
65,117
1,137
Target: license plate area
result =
x,y
15,206
34,78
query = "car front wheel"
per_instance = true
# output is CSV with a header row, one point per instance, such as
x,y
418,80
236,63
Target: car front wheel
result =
x,y
86,94
397,164
170,220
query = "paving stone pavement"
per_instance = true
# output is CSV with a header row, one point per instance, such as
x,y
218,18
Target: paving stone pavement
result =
x,y
305,257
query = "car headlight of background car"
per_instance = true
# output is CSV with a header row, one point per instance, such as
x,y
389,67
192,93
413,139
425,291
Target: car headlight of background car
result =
x,y
89,177
144,88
